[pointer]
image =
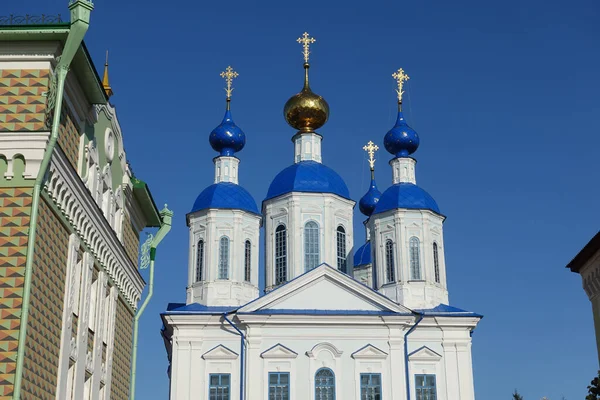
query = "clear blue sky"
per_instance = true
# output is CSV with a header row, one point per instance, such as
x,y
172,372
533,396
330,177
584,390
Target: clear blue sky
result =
x,y
504,96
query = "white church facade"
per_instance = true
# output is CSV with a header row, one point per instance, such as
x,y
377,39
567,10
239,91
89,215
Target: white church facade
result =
x,y
373,324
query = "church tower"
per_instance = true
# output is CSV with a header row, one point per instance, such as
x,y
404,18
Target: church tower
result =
x,y
406,227
308,210
224,225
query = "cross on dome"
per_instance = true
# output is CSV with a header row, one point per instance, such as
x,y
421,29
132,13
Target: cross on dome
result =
x,y
229,75
371,148
400,78
306,41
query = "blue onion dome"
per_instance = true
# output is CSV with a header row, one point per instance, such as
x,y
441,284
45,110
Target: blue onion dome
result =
x,y
225,195
406,195
401,140
368,202
362,256
308,177
227,138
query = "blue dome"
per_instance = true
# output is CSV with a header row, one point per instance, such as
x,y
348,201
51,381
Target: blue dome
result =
x,y
307,176
225,195
227,138
401,140
406,195
368,202
362,255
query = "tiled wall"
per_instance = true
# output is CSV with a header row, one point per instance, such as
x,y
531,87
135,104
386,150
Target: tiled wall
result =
x,y
69,136
121,368
22,105
131,239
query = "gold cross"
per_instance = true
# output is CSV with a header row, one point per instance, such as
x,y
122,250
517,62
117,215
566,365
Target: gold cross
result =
x,y
371,148
400,77
306,41
229,74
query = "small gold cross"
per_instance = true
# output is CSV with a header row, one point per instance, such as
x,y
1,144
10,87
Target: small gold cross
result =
x,y
400,77
306,41
229,74
371,148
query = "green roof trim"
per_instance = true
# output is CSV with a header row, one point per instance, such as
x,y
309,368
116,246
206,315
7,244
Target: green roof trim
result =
x,y
142,194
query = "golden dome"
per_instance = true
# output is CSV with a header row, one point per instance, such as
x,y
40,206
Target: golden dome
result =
x,y
306,111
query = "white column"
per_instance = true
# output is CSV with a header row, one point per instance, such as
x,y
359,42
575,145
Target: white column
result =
x,y
226,169
403,169
82,325
307,147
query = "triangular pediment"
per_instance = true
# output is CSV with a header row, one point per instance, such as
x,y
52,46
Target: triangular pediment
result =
x,y
424,354
369,352
220,352
279,351
324,289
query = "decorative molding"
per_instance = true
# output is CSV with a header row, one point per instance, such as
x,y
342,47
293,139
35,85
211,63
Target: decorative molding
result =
x,y
335,352
424,354
278,351
369,352
29,145
220,352
74,200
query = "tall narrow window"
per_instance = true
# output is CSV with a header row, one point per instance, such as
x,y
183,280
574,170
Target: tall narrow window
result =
x,y
436,263
370,386
199,260
247,260
219,386
311,245
389,261
279,385
224,258
425,387
415,262
341,249
324,384
280,255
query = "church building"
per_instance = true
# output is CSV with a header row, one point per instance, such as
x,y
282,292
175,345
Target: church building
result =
x,y
332,323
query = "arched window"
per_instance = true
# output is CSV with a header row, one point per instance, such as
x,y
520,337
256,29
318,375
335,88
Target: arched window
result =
x,y
341,249
415,262
247,260
280,255
311,245
389,260
324,384
199,260
436,263
224,258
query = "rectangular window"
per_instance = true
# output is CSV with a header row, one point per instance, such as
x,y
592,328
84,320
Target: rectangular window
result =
x,y
425,387
219,386
279,385
370,386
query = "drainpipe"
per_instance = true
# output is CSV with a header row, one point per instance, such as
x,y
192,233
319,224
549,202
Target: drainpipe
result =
x,y
165,226
80,20
242,351
420,317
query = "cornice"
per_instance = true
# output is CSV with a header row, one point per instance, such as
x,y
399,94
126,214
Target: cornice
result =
x,y
74,200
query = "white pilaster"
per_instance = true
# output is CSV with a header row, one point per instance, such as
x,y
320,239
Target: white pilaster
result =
x,y
307,147
403,169
226,169
82,325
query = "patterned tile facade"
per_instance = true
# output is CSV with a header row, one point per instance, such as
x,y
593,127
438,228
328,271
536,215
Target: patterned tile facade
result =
x,y
42,349
121,368
131,239
68,136
22,105
15,209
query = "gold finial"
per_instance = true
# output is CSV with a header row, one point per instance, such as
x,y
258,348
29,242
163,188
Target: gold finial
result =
x,y
400,77
229,75
306,41
371,148
105,84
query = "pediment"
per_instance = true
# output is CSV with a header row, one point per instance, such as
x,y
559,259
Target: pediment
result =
x,y
220,352
314,352
424,354
324,289
369,352
278,351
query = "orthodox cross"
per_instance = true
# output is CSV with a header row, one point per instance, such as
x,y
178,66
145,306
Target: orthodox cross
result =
x,y
371,148
306,41
400,77
229,74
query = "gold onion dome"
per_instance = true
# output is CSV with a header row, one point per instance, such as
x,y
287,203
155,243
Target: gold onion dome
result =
x,y
306,111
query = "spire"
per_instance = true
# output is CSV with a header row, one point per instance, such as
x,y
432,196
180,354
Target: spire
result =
x,y
306,111
368,202
105,83
401,140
